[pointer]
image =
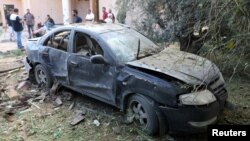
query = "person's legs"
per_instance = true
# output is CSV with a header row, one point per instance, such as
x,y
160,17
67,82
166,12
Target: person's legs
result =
x,y
13,34
19,39
10,32
32,30
29,30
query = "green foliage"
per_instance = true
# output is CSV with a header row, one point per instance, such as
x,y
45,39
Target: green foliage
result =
x,y
17,52
228,23
121,15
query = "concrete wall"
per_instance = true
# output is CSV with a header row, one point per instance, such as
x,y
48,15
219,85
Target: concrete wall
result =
x,y
41,8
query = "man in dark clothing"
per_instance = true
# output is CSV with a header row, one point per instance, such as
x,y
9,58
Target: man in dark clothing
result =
x,y
104,14
76,18
18,27
30,21
49,22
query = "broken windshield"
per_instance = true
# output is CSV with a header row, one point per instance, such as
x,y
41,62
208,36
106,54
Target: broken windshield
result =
x,y
124,44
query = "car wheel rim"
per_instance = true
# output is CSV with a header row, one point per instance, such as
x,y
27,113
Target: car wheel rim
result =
x,y
41,77
139,113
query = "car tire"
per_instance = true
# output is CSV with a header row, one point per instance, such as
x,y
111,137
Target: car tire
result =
x,y
43,77
144,114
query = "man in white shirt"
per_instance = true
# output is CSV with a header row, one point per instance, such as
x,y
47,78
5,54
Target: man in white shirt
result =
x,y
90,16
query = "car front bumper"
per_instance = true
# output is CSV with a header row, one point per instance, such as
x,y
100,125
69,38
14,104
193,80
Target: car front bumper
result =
x,y
192,119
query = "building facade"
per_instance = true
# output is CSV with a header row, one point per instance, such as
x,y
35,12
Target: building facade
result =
x,y
59,10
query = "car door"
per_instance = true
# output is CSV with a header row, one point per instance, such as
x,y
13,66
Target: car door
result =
x,y
95,80
54,53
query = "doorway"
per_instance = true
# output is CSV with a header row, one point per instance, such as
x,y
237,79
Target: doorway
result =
x,y
7,8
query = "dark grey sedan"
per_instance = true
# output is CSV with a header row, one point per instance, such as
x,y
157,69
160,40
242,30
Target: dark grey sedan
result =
x,y
164,89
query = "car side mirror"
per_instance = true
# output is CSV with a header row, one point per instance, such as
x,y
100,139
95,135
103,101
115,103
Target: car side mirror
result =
x,y
98,59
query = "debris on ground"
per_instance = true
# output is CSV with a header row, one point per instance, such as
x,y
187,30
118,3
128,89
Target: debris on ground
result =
x,y
25,111
24,85
78,117
32,103
58,102
67,95
129,117
12,93
42,97
54,88
116,130
11,69
96,122
71,106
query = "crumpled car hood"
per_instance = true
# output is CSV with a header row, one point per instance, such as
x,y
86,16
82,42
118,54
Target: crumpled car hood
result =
x,y
184,66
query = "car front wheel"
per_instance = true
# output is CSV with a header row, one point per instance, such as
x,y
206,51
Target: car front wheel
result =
x,y
144,114
43,77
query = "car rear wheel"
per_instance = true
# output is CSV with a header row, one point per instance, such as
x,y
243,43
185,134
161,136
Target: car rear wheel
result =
x,y
144,114
43,77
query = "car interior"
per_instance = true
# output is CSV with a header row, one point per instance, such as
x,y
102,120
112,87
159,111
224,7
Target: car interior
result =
x,y
58,40
86,46
83,44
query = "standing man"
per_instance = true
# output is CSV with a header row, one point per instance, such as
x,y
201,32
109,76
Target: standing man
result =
x,y
17,27
90,16
30,21
76,18
104,14
10,29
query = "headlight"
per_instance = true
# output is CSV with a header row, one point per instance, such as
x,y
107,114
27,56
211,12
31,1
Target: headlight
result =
x,y
197,98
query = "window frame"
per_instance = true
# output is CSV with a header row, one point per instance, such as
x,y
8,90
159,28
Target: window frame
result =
x,y
93,42
46,37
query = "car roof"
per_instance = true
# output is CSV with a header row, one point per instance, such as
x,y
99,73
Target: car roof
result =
x,y
98,28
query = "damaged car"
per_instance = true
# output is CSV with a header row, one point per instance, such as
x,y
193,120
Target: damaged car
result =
x,y
164,90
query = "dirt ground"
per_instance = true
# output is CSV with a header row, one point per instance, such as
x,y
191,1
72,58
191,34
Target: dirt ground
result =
x,y
31,115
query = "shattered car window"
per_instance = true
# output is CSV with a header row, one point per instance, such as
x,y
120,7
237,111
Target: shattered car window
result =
x,y
86,46
58,40
124,44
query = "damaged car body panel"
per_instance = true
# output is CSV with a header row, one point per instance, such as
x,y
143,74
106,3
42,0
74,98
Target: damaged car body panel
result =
x,y
135,81
121,67
180,65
